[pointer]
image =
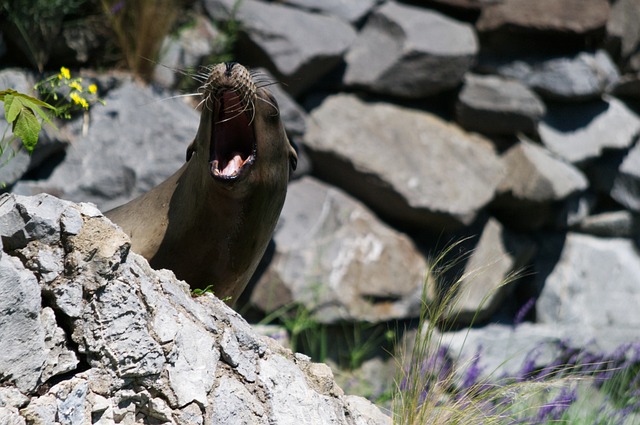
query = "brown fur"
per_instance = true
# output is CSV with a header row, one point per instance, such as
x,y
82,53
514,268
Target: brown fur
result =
x,y
213,231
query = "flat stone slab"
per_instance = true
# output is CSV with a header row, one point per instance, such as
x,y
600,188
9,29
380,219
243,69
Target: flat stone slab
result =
x,y
579,133
578,78
410,52
407,165
495,105
578,17
299,47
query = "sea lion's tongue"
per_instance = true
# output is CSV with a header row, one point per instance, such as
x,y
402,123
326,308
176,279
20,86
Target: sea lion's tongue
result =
x,y
233,166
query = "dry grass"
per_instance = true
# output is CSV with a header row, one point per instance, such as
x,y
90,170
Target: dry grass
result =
x,y
140,26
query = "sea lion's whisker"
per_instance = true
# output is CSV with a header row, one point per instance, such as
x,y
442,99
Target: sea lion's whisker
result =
x,y
180,96
268,102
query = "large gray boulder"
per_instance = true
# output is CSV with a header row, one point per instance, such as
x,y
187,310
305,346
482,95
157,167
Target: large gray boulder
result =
x,y
626,184
351,11
410,52
613,224
133,143
622,27
579,133
486,280
535,186
628,86
119,342
578,78
334,257
571,20
494,105
407,165
592,287
297,46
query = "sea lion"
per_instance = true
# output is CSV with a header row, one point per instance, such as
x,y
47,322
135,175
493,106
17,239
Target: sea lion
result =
x,y
211,221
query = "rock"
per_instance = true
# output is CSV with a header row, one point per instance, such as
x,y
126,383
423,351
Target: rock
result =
x,y
628,86
410,52
533,174
503,350
371,379
408,166
580,133
148,352
516,21
23,357
626,184
186,51
593,288
485,281
293,116
614,224
475,5
495,105
351,11
134,142
534,186
297,46
622,27
336,259
585,76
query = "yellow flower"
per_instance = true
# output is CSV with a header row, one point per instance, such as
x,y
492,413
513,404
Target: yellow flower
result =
x,y
79,100
93,89
75,85
64,73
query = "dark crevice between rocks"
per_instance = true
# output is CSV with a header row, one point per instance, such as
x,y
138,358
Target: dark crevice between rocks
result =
x,y
66,323
46,168
380,299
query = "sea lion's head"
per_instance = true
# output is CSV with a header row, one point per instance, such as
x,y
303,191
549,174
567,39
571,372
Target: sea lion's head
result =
x,y
241,136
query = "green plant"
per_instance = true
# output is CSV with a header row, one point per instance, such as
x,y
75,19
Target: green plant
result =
x,y
68,94
198,292
140,27
21,112
25,114
578,387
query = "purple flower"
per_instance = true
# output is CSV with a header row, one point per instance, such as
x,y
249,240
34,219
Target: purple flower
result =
x,y
558,406
523,311
117,7
528,368
474,371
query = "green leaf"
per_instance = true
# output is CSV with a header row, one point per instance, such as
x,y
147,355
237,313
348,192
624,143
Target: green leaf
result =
x,y
34,105
14,101
27,127
12,107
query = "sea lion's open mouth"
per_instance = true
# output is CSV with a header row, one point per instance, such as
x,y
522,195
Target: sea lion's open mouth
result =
x,y
233,142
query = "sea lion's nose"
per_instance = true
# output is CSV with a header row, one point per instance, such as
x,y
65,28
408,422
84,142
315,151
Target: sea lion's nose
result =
x,y
229,66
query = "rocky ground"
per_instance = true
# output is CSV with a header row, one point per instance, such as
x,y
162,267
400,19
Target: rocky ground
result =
x,y
92,334
513,122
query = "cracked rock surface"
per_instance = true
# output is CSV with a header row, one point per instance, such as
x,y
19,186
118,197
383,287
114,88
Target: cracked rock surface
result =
x,y
91,334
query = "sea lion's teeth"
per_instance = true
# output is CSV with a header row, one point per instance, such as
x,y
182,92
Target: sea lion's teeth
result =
x,y
214,167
